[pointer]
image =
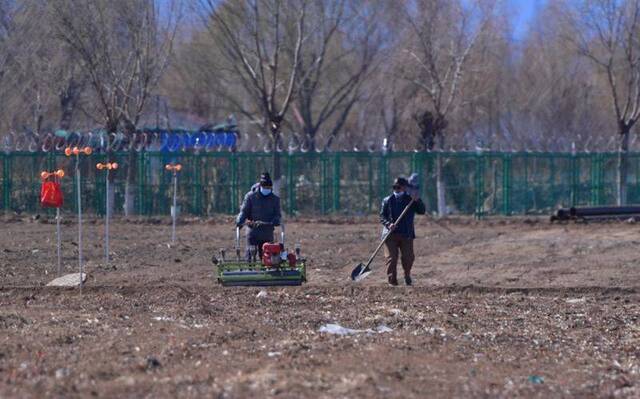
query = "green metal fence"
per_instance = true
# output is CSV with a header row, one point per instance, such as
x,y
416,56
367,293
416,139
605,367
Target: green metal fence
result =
x,y
478,184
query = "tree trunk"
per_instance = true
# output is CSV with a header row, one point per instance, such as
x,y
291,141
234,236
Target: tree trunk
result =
x,y
111,128
275,124
623,155
310,138
275,167
129,188
66,109
440,188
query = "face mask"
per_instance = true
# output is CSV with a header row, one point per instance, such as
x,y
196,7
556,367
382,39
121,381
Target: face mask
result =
x,y
398,195
265,191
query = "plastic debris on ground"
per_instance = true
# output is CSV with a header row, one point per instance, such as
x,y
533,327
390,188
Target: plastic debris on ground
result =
x,y
536,379
337,329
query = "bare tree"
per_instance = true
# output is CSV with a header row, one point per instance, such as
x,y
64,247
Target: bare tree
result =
x,y
607,33
123,47
552,99
7,33
441,35
261,40
337,55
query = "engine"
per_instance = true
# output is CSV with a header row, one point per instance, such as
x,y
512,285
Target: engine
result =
x,y
274,255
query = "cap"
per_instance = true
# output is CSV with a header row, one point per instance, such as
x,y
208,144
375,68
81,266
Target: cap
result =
x,y
400,181
265,179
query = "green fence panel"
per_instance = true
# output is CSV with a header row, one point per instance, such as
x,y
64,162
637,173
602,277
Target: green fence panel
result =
x,y
5,180
476,183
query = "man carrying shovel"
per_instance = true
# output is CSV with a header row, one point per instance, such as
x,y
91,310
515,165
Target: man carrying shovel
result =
x,y
402,233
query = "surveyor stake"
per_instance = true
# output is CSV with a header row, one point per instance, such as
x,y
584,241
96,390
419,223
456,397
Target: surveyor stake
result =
x,y
76,151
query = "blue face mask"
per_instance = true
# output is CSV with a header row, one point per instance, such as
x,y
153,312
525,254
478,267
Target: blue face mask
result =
x,y
265,191
398,195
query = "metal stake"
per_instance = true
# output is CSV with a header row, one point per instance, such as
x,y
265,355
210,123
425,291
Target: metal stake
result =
x,y
79,199
76,152
59,241
174,168
107,214
106,223
175,210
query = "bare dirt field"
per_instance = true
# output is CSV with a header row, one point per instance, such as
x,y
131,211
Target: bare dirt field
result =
x,y
502,308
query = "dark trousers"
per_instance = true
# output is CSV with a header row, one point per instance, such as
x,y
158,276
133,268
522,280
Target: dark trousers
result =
x,y
258,243
398,246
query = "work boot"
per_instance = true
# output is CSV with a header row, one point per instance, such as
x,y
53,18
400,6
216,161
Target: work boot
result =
x,y
407,280
393,280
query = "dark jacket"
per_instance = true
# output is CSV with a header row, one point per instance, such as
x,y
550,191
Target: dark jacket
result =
x,y
260,208
391,209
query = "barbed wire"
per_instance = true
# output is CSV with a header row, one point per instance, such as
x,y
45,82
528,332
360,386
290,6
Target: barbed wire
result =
x,y
208,141
119,142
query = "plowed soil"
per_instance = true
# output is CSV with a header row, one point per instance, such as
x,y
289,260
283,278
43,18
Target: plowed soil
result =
x,y
501,308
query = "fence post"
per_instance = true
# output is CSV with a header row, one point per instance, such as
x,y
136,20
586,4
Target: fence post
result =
x,y
290,185
197,176
479,189
6,182
370,175
574,179
601,162
383,176
234,182
526,183
323,183
140,190
593,182
418,167
51,161
336,182
506,184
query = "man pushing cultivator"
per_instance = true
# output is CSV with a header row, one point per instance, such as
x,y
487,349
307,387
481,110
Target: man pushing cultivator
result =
x,y
275,265
260,212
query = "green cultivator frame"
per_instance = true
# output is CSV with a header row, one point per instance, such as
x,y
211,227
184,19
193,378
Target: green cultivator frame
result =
x,y
279,272
255,274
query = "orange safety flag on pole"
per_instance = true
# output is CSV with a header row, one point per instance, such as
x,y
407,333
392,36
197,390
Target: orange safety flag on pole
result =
x,y
51,194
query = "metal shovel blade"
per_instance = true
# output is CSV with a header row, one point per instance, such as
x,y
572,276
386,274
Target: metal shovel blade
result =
x,y
360,272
